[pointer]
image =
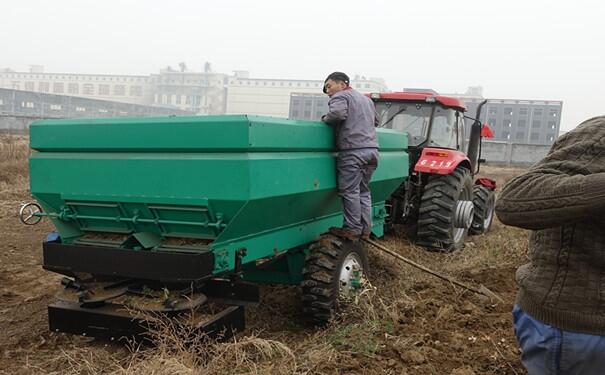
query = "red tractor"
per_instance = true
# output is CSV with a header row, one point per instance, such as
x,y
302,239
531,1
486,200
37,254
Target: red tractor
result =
x,y
440,199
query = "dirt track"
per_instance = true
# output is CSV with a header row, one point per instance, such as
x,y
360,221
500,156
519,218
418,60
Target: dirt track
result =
x,y
409,324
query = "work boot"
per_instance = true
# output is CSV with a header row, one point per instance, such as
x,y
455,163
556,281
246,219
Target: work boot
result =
x,y
344,233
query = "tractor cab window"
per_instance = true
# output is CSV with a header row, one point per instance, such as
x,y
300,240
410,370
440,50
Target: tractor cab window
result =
x,y
412,118
443,129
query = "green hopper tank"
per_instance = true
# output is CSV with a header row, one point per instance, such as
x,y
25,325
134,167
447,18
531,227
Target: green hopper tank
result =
x,y
188,199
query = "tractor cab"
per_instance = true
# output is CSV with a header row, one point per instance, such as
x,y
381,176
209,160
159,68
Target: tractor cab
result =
x,y
429,120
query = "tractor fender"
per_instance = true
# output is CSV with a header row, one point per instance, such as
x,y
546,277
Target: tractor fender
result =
x,y
441,161
487,182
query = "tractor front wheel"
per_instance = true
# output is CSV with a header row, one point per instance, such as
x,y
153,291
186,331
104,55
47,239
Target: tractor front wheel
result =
x,y
446,211
333,272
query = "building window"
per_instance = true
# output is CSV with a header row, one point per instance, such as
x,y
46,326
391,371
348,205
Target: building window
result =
x,y
367,85
16,85
508,111
553,113
27,104
73,88
552,124
178,99
523,111
506,123
295,102
520,136
493,111
119,90
295,113
538,112
55,107
550,137
318,114
29,86
521,123
506,135
88,89
102,110
136,91
536,124
104,89
491,121
43,86
58,87
308,103
535,136
80,109
307,114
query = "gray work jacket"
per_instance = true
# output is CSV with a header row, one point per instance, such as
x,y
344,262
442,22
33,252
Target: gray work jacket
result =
x,y
354,119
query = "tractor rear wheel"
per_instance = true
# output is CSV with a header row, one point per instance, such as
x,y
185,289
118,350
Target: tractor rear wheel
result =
x,y
484,200
333,272
445,213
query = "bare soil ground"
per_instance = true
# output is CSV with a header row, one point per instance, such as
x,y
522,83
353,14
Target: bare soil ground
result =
x,y
405,323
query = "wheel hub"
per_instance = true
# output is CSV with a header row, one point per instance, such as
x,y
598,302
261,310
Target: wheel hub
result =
x,y
350,275
463,217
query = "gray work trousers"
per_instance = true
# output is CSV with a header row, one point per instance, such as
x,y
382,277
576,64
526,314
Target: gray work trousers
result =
x,y
354,170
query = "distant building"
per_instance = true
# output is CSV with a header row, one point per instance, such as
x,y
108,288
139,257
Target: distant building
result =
x,y
520,121
272,97
200,92
512,120
307,106
204,92
118,88
19,103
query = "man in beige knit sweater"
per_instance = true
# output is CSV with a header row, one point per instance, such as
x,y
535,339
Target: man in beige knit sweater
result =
x,y
559,313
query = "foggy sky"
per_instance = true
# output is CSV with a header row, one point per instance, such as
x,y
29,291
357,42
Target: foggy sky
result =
x,y
514,49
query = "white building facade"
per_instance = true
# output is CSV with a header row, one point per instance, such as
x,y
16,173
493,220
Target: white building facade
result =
x,y
271,97
204,92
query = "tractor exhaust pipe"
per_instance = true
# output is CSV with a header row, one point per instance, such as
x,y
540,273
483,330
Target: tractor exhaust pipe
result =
x,y
475,139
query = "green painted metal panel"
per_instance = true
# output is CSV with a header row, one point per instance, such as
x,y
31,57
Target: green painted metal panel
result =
x,y
265,184
190,134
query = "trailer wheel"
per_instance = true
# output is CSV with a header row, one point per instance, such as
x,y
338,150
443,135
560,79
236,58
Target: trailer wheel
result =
x,y
445,213
484,200
333,271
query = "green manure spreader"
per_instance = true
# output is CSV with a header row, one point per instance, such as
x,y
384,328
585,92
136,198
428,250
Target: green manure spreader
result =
x,y
187,215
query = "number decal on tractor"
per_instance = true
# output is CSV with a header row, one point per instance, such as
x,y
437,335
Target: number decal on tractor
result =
x,y
433,163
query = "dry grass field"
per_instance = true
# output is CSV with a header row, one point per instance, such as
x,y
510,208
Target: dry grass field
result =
x,y
406,322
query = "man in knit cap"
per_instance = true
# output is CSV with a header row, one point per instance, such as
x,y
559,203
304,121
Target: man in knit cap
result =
x,y
353,117
559,313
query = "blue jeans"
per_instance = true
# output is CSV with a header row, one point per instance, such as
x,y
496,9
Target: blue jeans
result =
x,y
548,350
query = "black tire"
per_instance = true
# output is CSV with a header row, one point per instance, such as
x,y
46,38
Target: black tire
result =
x,y
484,200
436,230
321,286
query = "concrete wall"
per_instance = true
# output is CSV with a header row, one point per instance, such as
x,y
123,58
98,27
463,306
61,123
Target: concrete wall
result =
x,y
497,152
15,124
